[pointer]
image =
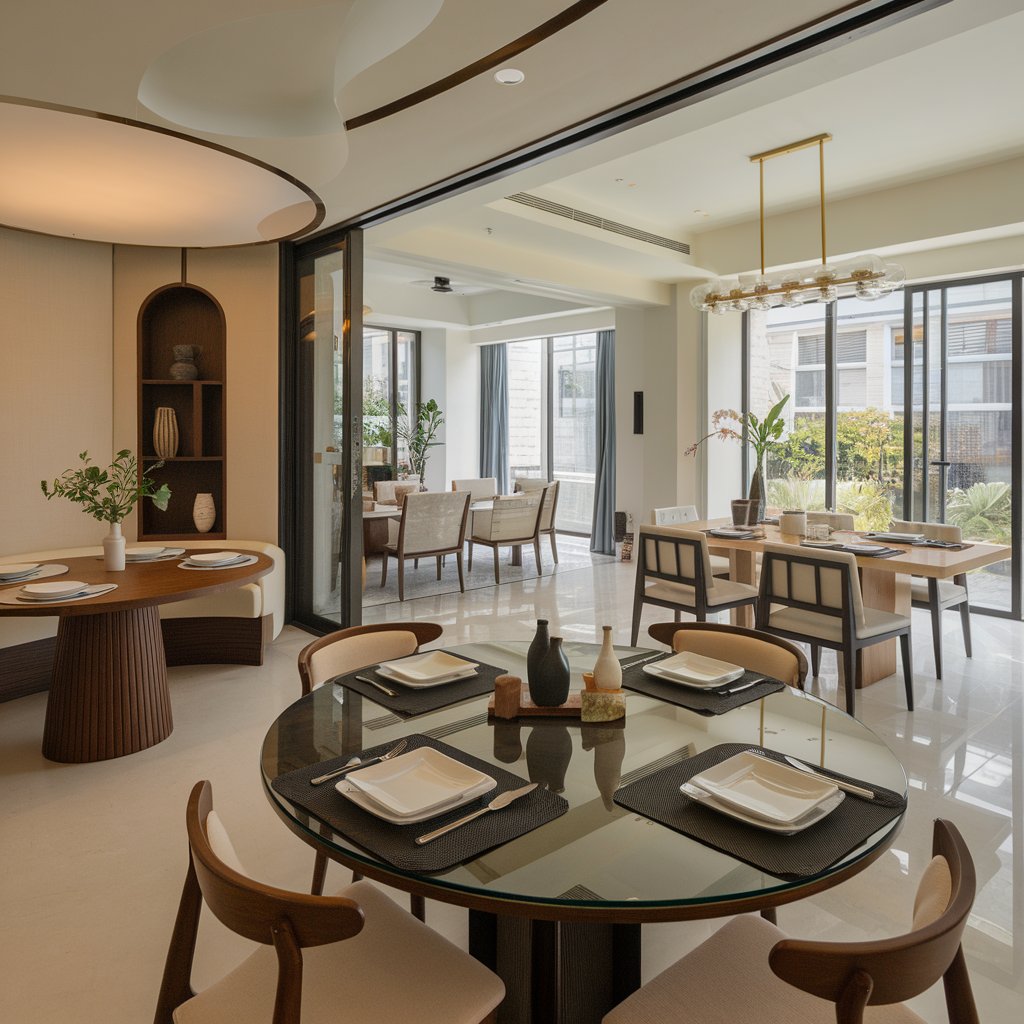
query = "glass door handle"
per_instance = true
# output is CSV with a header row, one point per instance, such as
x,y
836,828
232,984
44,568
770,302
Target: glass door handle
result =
x,y
940,462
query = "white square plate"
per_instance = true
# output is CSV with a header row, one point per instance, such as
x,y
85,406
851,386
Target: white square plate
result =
x,y
764,789
214,557
867,549
812,817
421,782
898,538
53,591
694,670
430,667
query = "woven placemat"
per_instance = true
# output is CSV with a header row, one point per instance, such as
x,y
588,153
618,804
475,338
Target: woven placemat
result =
x,y
396,843
704,702
410,702
808,853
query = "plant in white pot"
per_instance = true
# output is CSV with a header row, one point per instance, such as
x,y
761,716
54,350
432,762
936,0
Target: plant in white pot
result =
x,y
109,495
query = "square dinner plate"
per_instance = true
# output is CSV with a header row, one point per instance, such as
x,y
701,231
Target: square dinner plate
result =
x,y
430,667
897,538
764,789
694,670
423,781
813,816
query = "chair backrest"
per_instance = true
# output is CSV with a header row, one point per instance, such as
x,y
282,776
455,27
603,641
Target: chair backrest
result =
x,y
675,516
675,555
482,489
811,579
386,492
289,921
836,520
358,646
433,521
515,519
526,484
859,974
757,652
932,531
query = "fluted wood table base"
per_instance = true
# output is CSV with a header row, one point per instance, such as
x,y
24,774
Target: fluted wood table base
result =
x,y
108,695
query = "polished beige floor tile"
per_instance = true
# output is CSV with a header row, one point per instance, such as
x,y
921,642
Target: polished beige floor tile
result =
x,y
94,855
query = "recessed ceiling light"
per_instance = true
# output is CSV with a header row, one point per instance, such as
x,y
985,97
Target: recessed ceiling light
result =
x,y
509,76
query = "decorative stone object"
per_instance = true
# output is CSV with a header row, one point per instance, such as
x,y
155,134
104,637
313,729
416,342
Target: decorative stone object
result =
x,y
508,691
165,433
551,687
603,705
204,512
184,366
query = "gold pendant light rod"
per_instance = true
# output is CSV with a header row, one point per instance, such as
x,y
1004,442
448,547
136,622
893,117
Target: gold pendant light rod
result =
x,y
761,166
821,192
792,147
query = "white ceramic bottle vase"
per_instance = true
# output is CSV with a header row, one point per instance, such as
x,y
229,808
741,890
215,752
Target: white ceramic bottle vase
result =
x,y
113,549
204,512
607,670
165,432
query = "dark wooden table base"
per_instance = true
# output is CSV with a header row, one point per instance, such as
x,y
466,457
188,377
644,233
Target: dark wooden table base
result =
x,y
108,695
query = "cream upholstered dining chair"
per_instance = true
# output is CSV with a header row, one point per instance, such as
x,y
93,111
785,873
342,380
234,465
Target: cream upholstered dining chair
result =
x,y
750,972
526,484
346,650
813,596
680,515
757,652
938,595
322,959
673,570
511,522
431,524
386,492
482,489
833,520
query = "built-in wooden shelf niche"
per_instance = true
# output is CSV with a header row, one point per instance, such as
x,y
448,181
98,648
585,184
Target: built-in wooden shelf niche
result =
x,y
182,314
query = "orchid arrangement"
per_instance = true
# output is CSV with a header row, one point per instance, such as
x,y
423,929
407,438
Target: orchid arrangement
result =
x,y
760,433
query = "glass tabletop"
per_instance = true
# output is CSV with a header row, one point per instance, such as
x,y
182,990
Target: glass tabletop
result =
x,y
597,854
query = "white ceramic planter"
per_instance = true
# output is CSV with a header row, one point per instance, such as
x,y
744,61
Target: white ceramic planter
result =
x,y
113,549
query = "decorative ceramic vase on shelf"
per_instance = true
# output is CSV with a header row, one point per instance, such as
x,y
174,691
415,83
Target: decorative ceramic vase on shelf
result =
x,y
607,670
184,365
758,493
551,688
113,549
534,656
165,433
204,513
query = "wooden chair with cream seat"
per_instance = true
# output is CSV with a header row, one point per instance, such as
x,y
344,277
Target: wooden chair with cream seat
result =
x,y
354,957
939,595
834,520
757,652
480,489
432,524
680,515
347,650
673,570
813,596
512,522
525,484
388,492
750,972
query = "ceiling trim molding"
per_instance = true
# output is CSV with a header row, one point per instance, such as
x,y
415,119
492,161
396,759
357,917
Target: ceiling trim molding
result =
x,y
564,19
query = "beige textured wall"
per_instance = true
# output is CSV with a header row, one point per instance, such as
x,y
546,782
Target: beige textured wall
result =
x,y
55,381
245,283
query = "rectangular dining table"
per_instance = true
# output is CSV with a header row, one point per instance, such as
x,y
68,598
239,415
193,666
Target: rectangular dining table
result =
x,y
885,582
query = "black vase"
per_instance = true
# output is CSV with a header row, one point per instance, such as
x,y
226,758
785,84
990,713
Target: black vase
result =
x,y
551,687
539,647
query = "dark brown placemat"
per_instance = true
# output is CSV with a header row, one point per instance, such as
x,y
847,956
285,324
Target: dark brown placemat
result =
x,y
410,702
396,843
704,702
808,853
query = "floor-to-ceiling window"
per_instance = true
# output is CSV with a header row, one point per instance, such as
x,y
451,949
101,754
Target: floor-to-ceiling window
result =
x,y
390,393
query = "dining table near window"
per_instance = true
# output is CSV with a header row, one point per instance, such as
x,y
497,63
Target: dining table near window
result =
x,y
885,581
559,884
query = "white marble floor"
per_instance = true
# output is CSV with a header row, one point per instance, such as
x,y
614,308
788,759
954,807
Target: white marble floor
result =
x,y
93,855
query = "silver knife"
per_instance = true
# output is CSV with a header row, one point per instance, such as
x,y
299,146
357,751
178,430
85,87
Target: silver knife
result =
x,y
741,688
643,661
380,686
847,787
503,800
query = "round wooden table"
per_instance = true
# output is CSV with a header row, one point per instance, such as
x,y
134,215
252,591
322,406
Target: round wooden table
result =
x,y
558,911
108,692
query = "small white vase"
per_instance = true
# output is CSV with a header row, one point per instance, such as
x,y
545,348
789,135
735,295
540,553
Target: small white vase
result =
x,y
165,432
204,513
607,670
113,549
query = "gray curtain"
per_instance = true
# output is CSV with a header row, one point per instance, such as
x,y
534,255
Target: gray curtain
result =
x,y
494,414
602,535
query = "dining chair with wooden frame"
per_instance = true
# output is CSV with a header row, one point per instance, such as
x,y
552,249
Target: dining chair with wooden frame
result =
x,y
511,522
750,972
525,484
680,515
320,959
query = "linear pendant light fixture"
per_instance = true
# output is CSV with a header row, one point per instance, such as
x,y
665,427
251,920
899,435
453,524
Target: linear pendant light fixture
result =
x,y
865,277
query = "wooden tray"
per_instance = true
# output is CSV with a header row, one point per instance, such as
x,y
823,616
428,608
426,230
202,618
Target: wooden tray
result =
x,y
570,709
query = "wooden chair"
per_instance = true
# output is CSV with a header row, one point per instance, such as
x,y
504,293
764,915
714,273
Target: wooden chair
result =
x,y
939,595
481,489
346,650
431,524
756,652
512,522
749,972
525,484
321,959
813,596
680,515
673,570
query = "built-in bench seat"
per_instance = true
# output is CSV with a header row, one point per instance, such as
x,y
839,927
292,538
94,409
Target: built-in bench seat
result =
x,y
225,628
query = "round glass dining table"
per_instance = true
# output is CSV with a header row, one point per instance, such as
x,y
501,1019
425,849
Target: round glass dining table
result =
x,y
558,910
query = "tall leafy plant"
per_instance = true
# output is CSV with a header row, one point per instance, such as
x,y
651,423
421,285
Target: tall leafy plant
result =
x,y
110,494
420,434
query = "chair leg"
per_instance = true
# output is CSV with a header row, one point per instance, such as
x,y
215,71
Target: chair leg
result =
x,y
965,625
815,660
319,874
536,555
935,609
908,669
497,564
401,579
415,563
850,677
470,565
458,562
384,569
677,615
554,547
418,907
438,566
638,608
769,915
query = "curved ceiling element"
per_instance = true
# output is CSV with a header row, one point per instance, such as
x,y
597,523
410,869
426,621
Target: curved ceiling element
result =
x,y
85,175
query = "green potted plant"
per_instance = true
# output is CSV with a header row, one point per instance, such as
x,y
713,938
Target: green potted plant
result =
x,y
109,495
420,435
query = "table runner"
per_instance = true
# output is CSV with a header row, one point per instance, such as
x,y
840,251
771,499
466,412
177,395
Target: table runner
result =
x,y
656,796
396,843
704,702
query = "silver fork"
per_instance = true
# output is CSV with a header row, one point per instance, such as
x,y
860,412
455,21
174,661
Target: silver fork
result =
x,y
393,752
